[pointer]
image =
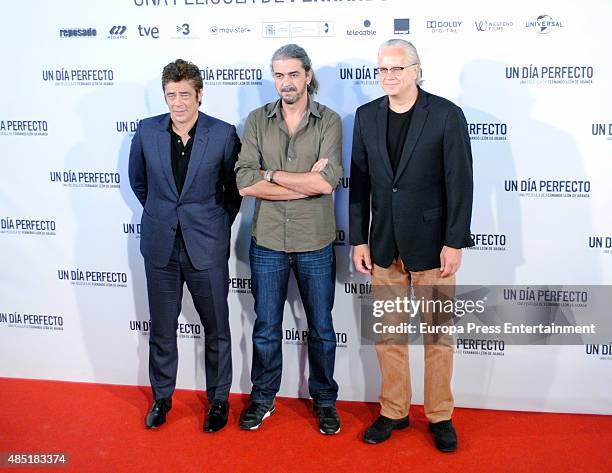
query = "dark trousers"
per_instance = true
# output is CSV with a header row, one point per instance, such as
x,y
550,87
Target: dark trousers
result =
x,y
209,290
315,272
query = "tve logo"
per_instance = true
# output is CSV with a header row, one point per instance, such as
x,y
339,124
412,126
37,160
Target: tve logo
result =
x,y
148,31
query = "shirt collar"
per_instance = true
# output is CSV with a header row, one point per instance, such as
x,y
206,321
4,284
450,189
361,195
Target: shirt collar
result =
x,y
191,132
313,108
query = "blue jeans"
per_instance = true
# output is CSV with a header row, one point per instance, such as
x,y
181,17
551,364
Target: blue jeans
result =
x,y
315,272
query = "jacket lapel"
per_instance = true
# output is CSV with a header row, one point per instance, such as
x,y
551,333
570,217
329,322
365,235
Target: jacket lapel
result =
x,y
197,152
381,123
163,152
414,132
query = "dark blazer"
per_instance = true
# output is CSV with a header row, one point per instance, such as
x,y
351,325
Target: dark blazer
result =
x,y
428,202
208,203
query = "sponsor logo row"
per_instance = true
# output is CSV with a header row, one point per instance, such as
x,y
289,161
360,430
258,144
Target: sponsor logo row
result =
x,y
540,24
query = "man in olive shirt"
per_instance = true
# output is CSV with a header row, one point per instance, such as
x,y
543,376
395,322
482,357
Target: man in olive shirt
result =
x,y
291,161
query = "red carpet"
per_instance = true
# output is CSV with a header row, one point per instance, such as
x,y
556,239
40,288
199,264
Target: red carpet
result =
x,y
101,428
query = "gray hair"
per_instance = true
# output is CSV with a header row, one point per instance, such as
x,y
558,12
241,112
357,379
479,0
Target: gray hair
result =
x,y
293,51
409,49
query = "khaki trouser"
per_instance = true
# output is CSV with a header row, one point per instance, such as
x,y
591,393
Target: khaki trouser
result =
x,y
392,352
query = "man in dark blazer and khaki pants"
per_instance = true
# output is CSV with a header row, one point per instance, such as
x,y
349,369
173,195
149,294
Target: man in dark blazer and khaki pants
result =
x,y
181,169
411,167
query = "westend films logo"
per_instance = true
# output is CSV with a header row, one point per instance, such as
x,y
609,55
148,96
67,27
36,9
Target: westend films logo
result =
x,y
362,31
31,321
489,242
77,32
603,352
493,26
443,26
27,226
488,131
543,188
97,179
132,229
602,243
183,330
492,316
78,77
543,24
551,74
184,32
24,128
232,76
79,277
126,126
401,26
364,75
602,129
295,336
117,32
297,29
220,30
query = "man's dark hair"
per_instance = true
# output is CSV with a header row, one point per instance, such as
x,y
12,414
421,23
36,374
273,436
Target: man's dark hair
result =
x,y
182,70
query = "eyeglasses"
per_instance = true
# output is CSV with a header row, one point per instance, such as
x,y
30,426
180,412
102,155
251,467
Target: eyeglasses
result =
x,y
394,71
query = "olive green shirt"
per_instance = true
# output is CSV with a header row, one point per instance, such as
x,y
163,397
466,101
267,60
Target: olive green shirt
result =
x,y
292,225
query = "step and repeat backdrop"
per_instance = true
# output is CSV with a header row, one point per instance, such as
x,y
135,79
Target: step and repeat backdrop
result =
x,y
533,79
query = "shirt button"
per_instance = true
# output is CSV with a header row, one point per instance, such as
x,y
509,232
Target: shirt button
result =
x,y
287,220
183,153
395,189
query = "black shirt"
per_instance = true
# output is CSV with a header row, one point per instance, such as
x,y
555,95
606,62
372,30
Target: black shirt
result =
x,y
397,130
180,155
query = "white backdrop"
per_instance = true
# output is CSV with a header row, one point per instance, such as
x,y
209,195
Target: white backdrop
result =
x,y
533,79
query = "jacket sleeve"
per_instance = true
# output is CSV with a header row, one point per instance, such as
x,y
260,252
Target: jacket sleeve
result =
x,y
458,179
137,170
359,195
230,190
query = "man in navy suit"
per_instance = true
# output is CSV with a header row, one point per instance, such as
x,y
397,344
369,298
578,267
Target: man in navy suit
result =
x,y
410,211
181,169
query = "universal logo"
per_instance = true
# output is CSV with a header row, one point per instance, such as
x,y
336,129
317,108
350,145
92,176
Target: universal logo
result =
x,y
544,24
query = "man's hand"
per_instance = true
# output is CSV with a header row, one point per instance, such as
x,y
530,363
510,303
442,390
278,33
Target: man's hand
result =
x,y
319,165
361,259
450,260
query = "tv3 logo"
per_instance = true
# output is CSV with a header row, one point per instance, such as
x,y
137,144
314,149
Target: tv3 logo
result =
x,y
184,28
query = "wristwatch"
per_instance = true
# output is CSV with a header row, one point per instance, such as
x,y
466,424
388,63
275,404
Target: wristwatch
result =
x,y
269,175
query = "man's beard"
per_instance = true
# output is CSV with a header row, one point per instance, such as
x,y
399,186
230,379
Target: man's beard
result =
x,y
290,100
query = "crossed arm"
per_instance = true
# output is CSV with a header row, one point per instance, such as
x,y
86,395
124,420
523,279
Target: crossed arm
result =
x,y
291,185
321,179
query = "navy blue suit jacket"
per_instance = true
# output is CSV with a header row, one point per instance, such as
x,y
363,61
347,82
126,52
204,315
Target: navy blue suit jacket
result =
x,y
427,202
209,202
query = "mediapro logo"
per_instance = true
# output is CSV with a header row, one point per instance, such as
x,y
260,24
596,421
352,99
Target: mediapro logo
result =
x,y
117,30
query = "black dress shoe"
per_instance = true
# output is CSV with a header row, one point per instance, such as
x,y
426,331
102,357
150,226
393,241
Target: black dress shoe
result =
x,y
445,436
329,420
217,416
382,427
157,414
